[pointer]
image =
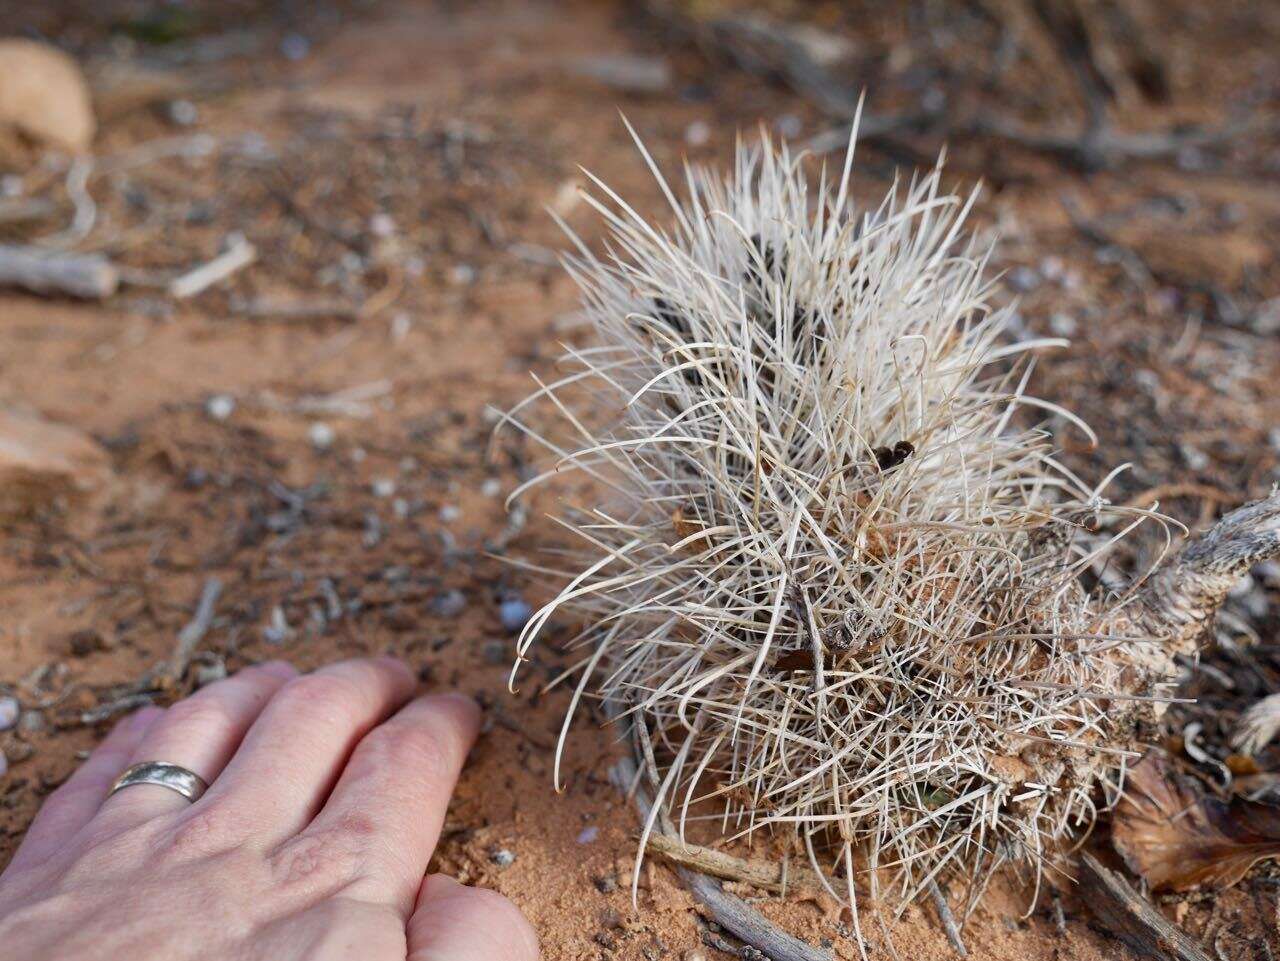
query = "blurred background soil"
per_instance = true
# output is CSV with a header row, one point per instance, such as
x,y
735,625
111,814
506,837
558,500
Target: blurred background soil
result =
x,y
312,435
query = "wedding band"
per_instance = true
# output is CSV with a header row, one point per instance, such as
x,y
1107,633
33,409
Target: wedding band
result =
x,y
187,783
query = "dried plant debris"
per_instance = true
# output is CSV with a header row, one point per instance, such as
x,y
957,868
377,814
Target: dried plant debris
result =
x,y
834,573
1257,726
1175,836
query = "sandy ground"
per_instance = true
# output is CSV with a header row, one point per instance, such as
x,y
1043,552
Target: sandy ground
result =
x,y
459,123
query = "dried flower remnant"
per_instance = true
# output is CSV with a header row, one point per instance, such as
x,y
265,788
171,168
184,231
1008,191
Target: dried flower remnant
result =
x,y
1174,836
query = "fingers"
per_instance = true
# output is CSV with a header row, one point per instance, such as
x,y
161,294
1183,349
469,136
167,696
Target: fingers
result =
x,y
394,792
78,799
296,749
456,923
200,733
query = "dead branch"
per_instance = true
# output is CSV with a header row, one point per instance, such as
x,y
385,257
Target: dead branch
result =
x,y
1131,918
947,918
240,253
761,874
196,629
87,276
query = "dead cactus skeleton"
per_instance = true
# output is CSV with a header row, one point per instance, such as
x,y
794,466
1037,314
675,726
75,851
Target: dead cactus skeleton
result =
x,y
829,574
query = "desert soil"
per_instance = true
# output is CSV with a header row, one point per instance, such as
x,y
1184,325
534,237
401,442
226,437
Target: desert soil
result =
x,y
336,473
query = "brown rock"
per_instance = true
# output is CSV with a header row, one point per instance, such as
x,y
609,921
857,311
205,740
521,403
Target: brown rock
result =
x,y
44,465
44,96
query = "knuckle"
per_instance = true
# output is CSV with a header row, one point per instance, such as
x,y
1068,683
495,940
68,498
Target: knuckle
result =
x,y
320,694
209,829
404,747
324,860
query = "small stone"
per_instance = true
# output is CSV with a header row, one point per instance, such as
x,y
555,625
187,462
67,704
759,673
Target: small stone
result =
x,y
44,96
208,673
383,487
1023,279
514,613
450,513
588,835
182,113
449,604
503,858
321,435
492,487
789,126
697,133
695,955
295,46
605,884
45,464
462,275
32,722
381,225
220,406
1062,325
9,711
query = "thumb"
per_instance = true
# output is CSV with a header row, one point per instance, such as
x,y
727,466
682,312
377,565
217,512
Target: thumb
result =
x,y
452,922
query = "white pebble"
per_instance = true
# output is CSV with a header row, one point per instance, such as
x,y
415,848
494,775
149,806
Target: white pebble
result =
x,y
381,225
697,133
383,487
503,858
9,711
588,835
321,435
450,513
220,406
1062,325
492,487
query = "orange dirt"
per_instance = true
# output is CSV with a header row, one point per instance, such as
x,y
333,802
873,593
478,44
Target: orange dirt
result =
x,y
353,545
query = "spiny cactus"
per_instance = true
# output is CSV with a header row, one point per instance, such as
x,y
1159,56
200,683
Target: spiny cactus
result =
x,y
828,569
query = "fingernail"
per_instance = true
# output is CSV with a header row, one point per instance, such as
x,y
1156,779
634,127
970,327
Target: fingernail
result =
x,y
281,669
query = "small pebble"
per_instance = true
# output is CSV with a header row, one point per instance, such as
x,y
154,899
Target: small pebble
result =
x,y
295,46
492,487
697,133
503,858
182,113
462,275
1023,279
383,487
450,513
9,711
695,956
220,406
1062,325
321,435
514,612
789,126
208,673
31,722
381,225
449,604
588,835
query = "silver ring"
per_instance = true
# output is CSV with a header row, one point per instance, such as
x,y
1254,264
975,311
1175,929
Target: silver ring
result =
x,y
187,783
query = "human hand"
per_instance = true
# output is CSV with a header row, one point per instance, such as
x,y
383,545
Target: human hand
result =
x,y
327,792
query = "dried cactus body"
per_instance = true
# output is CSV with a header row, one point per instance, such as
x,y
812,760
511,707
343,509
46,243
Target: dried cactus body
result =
x,y
831,575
